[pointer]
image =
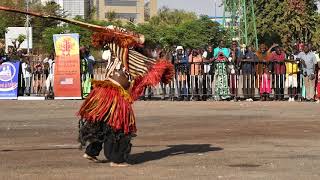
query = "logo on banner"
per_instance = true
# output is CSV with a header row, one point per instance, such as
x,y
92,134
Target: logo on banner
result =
x,y
67,46
8,76
7,71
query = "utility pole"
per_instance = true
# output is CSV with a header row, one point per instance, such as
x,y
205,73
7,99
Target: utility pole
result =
x,y
27,28
245,22
239,17
224,13
215,9
254,24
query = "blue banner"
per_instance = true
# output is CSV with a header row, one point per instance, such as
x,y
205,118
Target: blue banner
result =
x,y
9,73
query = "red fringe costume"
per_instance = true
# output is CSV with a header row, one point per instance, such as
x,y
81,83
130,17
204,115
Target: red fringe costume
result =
x,y
111,103
107,117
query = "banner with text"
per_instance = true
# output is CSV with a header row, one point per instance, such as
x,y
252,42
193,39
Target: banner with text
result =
x,y
67,83
9,74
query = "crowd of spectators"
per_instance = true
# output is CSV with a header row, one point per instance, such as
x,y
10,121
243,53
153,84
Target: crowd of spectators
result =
x,y
224,73
245,73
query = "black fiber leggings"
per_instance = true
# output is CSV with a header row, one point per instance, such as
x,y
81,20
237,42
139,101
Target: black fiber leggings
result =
x,y
116,151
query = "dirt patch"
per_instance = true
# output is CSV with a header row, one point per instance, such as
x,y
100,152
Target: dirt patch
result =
x,y
176,140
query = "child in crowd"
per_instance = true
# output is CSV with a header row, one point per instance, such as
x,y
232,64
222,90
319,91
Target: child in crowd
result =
x,y
265,84
292,70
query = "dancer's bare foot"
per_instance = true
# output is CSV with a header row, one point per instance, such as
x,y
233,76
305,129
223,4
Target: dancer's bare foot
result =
x,y
112,164
91,158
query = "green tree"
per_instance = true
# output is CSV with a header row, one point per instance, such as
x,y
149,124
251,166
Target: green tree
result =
x,y
111,16
85,34
176,27
169,17
39,25
11,19
201,32
18,41
284,21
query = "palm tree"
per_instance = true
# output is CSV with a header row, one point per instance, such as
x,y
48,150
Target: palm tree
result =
x,y
111,16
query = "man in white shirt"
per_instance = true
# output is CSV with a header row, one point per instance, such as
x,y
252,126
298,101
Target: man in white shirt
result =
x,y
309,62
26,76
50,78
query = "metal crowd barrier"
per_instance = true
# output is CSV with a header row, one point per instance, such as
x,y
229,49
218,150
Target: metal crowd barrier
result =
x,y
192,81
34,78
197,81
37,81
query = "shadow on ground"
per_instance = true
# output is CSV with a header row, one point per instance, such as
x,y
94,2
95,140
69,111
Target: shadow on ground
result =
x,y
172,150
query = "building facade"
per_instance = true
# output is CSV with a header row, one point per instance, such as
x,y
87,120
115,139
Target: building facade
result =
x,y
60,2
128,10
73,8
131,10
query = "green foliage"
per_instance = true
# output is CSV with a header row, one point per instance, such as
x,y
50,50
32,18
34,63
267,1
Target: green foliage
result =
x,y
47,37
176,27
40,25
111,16
85,35
168,17
10,19
284,21
17,42
21,38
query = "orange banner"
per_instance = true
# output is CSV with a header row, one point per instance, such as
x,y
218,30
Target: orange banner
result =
x,y
67,84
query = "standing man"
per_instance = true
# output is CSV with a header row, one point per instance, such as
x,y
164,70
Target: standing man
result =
x,y
233,67
180,61
50,77
87,63
248,71
26,72
208,59
309,62
195,61
318,77
278,57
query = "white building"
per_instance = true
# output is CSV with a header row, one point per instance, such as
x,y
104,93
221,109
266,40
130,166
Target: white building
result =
x,y
60,2
73,8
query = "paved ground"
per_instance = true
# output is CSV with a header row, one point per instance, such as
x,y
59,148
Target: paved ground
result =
x,y
176,140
